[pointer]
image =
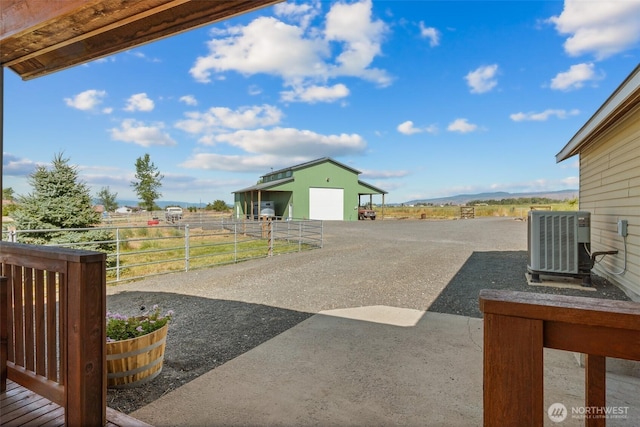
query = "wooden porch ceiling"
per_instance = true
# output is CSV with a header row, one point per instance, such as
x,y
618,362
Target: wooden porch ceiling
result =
x,y
39,37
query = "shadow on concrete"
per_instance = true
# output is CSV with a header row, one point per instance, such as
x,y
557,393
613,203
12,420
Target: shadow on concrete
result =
x,y
504,270
204,333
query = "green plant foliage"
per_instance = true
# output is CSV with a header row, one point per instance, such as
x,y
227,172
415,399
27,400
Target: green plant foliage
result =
x,y
219,206
148,182
7,210
8,193
96,240
58,200
107,199
121,327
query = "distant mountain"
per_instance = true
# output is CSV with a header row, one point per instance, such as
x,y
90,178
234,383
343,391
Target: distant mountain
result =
x,y
462,199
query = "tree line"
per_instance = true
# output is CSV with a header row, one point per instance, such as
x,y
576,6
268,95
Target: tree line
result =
x,y
522,201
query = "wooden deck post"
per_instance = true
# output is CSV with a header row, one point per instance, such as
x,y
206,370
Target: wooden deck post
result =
x,y
517,325
85,389
595,387
4,333
513,371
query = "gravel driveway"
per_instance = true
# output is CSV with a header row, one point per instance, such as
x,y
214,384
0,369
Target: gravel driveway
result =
x,y
421,264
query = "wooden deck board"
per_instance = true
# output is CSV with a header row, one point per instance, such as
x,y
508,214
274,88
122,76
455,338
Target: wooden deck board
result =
x,y
22,407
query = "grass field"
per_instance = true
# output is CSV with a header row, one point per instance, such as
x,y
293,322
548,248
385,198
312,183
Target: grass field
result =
x,y
142,251
452,212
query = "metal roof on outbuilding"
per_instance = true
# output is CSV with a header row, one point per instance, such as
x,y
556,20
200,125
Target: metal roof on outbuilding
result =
x,y
265,185
275,183
376,190
313,163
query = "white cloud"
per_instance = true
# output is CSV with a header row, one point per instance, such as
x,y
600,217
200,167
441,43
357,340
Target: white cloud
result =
x,y
305,58
571,182
17,166
433,129
313,94
266,45
462,126
543,116
218,119
361,37
603,28
189,100
87,100
139,102
238,163
141,55
300,13
289,142
408,128
112,177
482,79
275,148
575,77
138,133
570,165
430,33
384,174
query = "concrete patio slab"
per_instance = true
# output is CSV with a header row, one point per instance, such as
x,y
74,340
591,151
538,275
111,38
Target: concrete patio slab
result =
x,y
366,366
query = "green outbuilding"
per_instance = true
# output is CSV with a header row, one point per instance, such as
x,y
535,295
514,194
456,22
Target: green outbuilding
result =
x,y
321,189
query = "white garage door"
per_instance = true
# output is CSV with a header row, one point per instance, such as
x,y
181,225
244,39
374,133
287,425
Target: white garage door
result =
x,y
326,203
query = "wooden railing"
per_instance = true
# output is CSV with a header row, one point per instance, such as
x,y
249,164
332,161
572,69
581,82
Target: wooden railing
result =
x,y
52,327
518,325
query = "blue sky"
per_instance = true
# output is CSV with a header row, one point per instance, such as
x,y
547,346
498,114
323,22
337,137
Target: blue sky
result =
x,y
426,98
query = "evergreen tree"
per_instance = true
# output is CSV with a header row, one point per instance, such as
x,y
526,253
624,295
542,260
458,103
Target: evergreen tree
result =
x,y
107,199
148,182
58,201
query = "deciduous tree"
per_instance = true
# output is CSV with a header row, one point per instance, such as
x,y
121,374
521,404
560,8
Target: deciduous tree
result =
x,y
148,182
7,193
107,199
219,206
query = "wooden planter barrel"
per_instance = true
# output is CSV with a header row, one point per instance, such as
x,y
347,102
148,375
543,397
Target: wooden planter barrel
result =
x,y
136,361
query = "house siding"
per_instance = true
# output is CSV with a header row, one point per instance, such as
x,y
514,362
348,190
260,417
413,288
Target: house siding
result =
x,y
610,190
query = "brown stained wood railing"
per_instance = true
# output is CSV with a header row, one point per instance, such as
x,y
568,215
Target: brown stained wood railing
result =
x,y
52,328
518,325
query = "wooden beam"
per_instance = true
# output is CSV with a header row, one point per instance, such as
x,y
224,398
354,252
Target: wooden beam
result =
x,y
562,308
67,33
18,17
55,37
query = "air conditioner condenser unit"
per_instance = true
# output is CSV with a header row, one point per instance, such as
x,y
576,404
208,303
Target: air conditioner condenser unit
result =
x,y
559,243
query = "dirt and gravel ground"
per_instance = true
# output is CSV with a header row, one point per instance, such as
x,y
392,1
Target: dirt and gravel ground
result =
x,y
421,264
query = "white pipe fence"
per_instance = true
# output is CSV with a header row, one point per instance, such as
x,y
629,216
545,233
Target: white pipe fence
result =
x,y
138,251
